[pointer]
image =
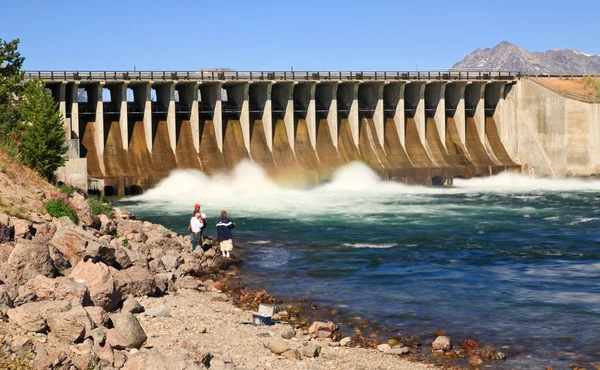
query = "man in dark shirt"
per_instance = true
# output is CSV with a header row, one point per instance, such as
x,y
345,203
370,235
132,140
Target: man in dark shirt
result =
x,y
224,236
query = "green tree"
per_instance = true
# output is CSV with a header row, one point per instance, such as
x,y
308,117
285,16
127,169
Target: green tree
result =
x,y
11,88
41,139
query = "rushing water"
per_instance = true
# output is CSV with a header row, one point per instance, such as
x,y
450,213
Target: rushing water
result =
x,y
505,260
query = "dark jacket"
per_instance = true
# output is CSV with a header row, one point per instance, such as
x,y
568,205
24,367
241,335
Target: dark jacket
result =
x,y
224,227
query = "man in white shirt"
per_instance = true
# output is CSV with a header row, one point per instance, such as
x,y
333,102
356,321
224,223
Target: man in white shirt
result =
x,y
195,227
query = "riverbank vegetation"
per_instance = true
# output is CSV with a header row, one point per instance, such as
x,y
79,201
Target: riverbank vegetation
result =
x,y
31,127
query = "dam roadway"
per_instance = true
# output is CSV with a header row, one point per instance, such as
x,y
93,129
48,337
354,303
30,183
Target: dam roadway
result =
x,y
128,130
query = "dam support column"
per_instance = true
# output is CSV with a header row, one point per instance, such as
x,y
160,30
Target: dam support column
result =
x,y
165,96
211,93
95,97
74,100
304,96
188,95
494,107
455,107
118,98
393,96
260,96
370,94
415,103
326,102
348,102
238,93
142,98
475,104
436,105
282,95
59,93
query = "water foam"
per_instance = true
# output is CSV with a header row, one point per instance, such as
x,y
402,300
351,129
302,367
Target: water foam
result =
x,y
355,190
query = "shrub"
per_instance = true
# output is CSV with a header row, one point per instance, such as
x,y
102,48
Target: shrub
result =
x,y
100,207
59,208
592,83
66,189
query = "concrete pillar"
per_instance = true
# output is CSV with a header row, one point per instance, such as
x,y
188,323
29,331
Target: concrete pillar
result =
x,y
435,101
455,102
239,93
118,95
304,94
142,98
393,96
326,99
282,96
165,95
415,99
378,117
494,101
211,93
188,95
74,98
348,99
370,95
260,96
475,96
95,97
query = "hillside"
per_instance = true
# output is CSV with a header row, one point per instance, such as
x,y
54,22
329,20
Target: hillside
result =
x,y
508,57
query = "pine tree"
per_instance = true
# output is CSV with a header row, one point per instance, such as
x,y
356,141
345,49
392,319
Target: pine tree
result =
x,y
11,87
42,139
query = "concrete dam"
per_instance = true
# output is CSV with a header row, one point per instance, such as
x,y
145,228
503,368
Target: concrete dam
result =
x,y
128,130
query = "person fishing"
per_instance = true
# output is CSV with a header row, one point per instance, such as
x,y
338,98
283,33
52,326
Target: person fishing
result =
x,y
224,235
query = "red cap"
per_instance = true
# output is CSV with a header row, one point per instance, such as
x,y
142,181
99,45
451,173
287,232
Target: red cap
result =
x,y
196,205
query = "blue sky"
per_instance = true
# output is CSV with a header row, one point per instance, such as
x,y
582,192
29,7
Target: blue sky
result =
x,y
278,35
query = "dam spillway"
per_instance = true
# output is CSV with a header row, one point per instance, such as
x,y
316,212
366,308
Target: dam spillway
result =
x,y
133,128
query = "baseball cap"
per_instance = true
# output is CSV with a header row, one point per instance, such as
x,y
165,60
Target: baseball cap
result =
x,y
196,205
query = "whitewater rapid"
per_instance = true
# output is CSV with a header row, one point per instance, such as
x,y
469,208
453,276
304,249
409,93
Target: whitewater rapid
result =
x,y
355,191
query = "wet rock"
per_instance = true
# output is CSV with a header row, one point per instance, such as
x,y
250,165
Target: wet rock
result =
x,y
311,350
322,330
98,278
398,351
131,305
278,346
158,311
443,343
490,353
135,281
475,361
469,345
288,333
127,332
27,260
60,288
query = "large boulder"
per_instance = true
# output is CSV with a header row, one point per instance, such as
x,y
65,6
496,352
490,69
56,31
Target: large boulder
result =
x,y
71,242
23,228
126,333
88,218
136,281
123,214
129,227
100,281
44,231
442,342
66,328
169,359
108,226
60,288
27,260
98,315
7,231
32,316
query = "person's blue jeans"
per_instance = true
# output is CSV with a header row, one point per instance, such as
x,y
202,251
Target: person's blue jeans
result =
x,y
196,239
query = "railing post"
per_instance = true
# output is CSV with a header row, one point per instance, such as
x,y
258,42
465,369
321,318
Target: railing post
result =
x,y
213,75
251,75
237,75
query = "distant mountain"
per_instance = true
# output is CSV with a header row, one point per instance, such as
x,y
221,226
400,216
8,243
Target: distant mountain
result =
x,y
508,57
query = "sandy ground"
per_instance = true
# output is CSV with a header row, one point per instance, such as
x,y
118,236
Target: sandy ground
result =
x,y
231,336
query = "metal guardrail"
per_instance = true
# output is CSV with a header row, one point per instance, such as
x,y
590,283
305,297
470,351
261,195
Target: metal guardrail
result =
x,y
141,76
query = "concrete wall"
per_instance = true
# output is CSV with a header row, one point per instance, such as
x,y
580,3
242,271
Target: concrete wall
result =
x,y
556,135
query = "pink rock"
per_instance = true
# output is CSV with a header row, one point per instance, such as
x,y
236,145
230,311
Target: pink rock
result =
x,y
100,281
136,281
322,330
61,288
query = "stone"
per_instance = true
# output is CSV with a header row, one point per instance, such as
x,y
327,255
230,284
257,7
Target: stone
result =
x,y
61,263
136,281
99,335
5,251
88,218
157,266
311,350
20,345
64,222
172,260
278,346
120,358
66,328
158,311
107,226
79,313
475,361
322,330
345,341
187,282
490,353
98,278
27,260
398,351
469,345
7,231
131,305
171,359
288,333
5,299
44,231
98,315
443,343
127,332
384,347
60,288
72,242
123,214
22,228
30,321
211,253
128,227
292,354
164,282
